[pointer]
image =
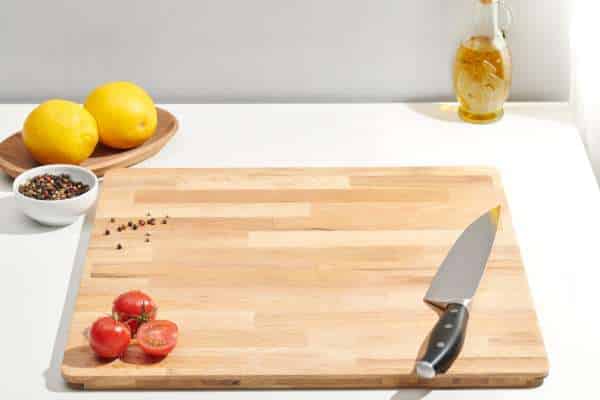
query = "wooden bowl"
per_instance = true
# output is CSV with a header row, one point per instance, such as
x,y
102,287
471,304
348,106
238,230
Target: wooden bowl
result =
x,y
15,158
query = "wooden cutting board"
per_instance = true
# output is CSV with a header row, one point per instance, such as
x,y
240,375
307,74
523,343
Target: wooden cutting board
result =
x,y
301,278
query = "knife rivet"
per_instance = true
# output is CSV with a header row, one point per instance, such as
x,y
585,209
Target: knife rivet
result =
x,y
440,344
448,326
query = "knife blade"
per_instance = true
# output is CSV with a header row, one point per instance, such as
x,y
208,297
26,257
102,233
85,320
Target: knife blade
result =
x,y
452,289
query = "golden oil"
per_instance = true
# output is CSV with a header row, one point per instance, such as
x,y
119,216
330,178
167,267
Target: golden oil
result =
x,y
483,69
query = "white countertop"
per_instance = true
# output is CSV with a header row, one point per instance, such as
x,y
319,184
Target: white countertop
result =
x,y
549,183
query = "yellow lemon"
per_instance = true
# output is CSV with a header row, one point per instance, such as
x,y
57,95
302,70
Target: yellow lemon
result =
x,y
125,114
60,131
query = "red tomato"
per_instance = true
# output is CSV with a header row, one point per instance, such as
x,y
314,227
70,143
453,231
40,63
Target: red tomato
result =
x,y
109,338
134,308
157,338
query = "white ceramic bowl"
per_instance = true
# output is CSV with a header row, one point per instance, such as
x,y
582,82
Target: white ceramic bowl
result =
x,y
57,212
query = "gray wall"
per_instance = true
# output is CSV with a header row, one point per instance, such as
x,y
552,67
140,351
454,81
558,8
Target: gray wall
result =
x,y
266,50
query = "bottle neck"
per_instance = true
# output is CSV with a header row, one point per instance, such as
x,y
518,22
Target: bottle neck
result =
x,y
486,19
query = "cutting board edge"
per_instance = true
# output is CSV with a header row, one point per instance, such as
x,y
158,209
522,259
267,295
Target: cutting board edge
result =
x,y
275,382
475,169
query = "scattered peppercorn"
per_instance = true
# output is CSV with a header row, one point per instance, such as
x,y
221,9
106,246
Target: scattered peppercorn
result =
x,y
52,187
134,226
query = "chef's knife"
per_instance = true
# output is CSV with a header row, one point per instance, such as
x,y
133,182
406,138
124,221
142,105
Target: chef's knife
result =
x,y
452,289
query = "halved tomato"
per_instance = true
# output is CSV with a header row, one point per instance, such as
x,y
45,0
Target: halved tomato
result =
x,y
158,337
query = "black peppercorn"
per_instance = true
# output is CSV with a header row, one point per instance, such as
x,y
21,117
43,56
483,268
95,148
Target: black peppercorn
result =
x,y
52,187
119,246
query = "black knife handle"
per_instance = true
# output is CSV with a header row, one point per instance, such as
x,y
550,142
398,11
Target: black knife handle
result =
x,y
445,342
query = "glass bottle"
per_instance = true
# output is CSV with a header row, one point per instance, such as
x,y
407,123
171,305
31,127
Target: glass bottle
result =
x,y
483,67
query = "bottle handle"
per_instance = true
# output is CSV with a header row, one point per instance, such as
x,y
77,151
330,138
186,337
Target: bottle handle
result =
x,y
509,17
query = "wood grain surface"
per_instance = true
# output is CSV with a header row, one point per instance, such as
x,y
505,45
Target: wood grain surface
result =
x,y
301,278
15,158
